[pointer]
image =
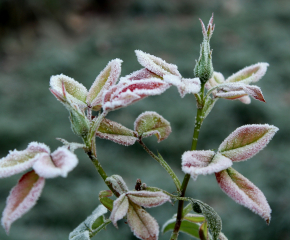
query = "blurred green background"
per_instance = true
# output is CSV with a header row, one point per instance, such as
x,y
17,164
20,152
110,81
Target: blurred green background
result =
x,y
78,38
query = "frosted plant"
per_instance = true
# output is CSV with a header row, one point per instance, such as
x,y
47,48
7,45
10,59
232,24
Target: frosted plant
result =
x,y
109,92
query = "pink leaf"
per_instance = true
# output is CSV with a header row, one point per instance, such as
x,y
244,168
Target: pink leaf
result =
x,y
141,74
120,208
19,161
142,224
156,64
117,183
116,132
148,199
107,78
203,162
125,93
22,198
244,192
217,78
151,123
184,85
247,141
59,163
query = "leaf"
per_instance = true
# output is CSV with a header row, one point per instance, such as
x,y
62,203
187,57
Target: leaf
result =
x,y
195,218
117,183
140,75
203,231
216,79
149,123
213,219
208,105
19,161
251,73
244,192
148,199
128,92
120,208
222,236
107,202
142,224
107,78
22,198
156,64
203,162
189,228
116,132
59,163
93,224
247,141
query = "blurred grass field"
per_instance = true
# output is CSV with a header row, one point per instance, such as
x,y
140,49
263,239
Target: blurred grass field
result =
x,y
78,38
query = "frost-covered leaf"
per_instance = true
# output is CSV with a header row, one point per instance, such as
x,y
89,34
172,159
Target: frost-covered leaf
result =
x,y
116,132
222,236
148,199
142,224
216,79
213,219
19,161
208,105
203,231
81,236
244,192
195,218
22,198
107,78
128,92
156,64
203,162
251,73
247,141
189,228
59,163
75,91
141,74
120,209
151,123
184,85
105,200
117,183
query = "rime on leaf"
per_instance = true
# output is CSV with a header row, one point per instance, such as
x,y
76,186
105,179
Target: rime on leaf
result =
x,y
141,74
148,199
117,183
22,198
247,141
120,209
244,192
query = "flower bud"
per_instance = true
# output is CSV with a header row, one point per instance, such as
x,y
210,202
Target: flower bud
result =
x,y
79,123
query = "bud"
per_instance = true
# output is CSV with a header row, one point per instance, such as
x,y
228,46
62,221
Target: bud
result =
x,y
79,123
203,68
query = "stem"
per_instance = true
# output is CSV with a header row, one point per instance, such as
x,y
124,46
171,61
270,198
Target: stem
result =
x,y
197,126
164,164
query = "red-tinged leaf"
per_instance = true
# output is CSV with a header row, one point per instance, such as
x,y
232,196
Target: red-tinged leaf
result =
x,y
216,79
203,231
244,192
247,141
107,78
22,198
141,74
59,163
19,161
75,91
231,95
117,183
203,162
142,224
120,208
148,199
255,92
156,64
128,92
251,73
151,123
116,132
184,85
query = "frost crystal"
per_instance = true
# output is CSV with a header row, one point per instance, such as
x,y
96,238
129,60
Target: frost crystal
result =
x,y
141,74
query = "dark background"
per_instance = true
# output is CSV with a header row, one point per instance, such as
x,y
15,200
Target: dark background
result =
x,y
78,38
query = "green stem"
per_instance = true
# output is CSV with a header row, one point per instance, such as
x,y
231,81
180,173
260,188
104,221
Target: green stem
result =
x,y
197,126
164,164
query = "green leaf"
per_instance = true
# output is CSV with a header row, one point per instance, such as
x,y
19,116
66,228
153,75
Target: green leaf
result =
x,y
195,218
189,228
107,202
208,105
203,231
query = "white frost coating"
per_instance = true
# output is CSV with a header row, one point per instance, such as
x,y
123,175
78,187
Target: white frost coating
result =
x,y
22,198
231,95
75,91
184,85
142,224
247,141
148,199
141,74
107,78
217,78
19,161
254,72
244,192
120,139
120,209
203,162
59,163
82,236
156,64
